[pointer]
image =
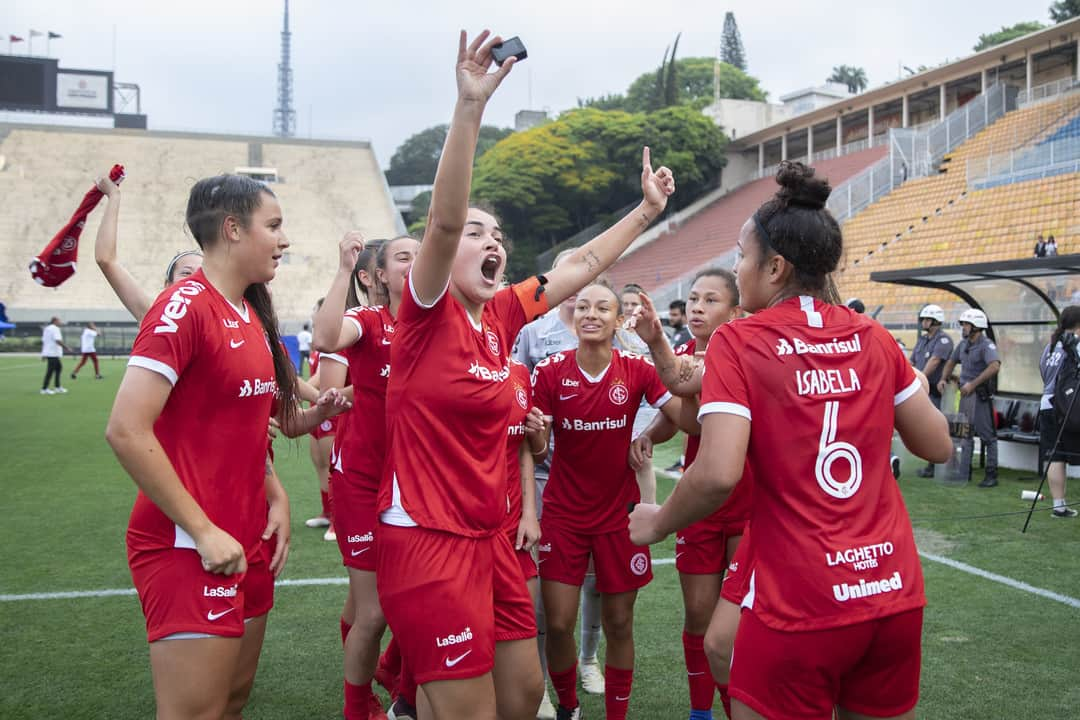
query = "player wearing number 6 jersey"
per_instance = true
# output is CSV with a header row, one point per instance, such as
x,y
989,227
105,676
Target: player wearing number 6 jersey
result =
x,y
810,393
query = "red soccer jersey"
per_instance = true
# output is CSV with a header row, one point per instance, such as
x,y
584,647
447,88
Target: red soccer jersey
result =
x,y
451,396
591,484
313,362
737,507
213,426
819,383
363,450
519,378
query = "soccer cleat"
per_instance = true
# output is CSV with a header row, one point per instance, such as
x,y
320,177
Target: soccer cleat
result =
x,y
895,463
375,709
926,472
317,521
568,714
676,468
546,710
99,377
402,710
1064,512
60,390
592,678
330,535
73,376
989,481
46,391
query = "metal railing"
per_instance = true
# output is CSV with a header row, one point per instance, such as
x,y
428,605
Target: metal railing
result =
x,y
1048,91
1030,163
966,121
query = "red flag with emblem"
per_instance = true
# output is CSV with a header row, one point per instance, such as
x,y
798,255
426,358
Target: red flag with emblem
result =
x,y
56,263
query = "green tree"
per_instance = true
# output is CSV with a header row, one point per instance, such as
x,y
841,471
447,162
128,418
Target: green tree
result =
x,y
415,161
1064,10
731,47
554,180
1006,34
734,84
850,75
695,77
613,101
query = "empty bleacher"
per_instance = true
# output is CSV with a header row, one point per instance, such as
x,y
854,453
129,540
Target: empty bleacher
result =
x,y
325,189
715,229
939,220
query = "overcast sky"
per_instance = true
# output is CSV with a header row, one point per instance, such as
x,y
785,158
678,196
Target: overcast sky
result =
x,y
384,70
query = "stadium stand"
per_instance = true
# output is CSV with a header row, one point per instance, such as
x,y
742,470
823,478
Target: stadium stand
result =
x,y
713,231
940,220
325,188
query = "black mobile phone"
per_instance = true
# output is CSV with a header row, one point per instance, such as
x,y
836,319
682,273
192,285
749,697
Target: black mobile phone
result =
x,y
509,48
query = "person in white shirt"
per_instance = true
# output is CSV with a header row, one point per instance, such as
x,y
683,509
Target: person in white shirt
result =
x,y
89,352
52,349
303,340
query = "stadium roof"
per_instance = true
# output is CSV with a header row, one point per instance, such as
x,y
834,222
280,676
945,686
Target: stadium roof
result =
x,y
1006,53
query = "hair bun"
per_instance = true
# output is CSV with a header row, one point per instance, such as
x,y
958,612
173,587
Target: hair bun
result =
x,y
799,187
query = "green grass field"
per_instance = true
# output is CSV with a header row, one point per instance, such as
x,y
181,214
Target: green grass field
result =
x,y
990,650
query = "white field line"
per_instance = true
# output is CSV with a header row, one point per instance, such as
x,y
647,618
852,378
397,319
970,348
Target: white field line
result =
x,y
308,582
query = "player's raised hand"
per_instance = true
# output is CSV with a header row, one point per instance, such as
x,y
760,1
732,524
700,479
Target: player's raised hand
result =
x,y
350,248
475,83
657,186
645,321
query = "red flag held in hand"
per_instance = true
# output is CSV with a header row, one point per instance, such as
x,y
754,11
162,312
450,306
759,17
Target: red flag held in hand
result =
x,y
56,263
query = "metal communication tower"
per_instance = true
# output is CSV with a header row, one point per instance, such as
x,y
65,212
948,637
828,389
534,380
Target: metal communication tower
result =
x,y
284,115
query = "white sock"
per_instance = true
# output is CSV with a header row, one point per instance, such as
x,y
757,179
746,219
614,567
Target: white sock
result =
x,y
1059,503
590,619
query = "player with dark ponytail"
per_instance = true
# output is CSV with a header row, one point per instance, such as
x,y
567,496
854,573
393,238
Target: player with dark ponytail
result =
x,y
833,613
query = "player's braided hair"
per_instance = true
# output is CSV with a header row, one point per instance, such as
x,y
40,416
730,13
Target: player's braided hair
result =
x,y
238,196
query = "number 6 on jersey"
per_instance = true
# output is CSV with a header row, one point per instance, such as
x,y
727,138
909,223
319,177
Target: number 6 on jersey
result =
x,y
830,450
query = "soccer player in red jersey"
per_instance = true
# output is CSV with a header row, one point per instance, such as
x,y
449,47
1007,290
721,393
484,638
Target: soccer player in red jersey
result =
x,y
208,348
442,501
810,393
591,396
524,442
704,549
364,336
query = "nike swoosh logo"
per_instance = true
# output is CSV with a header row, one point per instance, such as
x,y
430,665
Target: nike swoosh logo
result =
x,y
357,552
385,341
679,555
233,344
459,658
696,674
212,616
622,699
567,397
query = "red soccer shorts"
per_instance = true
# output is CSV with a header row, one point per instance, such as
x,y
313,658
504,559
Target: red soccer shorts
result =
x,y
327,428
355,518
701,548
871,668
620,565
449,599
178,596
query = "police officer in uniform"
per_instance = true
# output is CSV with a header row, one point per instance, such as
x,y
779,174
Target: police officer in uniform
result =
x,y
979,362
932,350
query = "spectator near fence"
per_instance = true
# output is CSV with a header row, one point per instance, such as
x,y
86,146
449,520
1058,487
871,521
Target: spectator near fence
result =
x,y
52,349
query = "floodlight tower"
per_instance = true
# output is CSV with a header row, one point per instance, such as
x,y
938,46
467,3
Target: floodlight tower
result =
x,y
284,115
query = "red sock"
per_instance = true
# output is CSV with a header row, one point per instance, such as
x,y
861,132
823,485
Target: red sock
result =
x,y
617,684
357,701
345,628
565,684
698,674
725,699
327,509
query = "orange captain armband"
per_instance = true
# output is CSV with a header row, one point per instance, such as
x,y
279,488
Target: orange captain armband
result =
x,y
530,293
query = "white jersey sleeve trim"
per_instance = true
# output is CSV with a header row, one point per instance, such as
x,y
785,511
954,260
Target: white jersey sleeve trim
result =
x,y
335,357
433,303
907,392
359,327
662,401
155,366
723,407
